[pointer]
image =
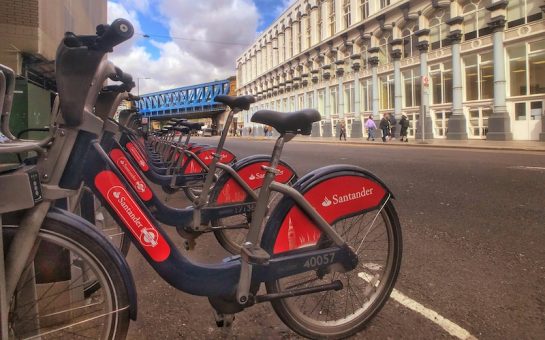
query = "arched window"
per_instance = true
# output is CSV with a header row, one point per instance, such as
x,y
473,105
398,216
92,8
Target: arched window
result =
x,y
320,20
521,12
409,40
308,30
476,18
439,29
331,17
385,49
346,14
299,36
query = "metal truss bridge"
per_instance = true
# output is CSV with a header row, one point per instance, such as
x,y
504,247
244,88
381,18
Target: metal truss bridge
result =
x,y
195,101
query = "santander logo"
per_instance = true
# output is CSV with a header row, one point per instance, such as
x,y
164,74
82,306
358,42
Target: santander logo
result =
x,y
131,175
338,199
261,175
132,216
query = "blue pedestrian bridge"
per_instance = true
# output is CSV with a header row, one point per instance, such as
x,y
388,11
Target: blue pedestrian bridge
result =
x,y
195,101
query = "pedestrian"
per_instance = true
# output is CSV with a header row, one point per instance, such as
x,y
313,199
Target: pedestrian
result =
x,y
250,131
384,125
371,127
342,132
404,122
393,126
266,130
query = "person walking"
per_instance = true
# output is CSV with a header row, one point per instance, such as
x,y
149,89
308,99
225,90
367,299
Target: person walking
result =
x,y
371,127
342,132
404,122
384,125
393,126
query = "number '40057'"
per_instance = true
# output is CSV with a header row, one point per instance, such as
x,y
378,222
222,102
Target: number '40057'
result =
x,y
319,260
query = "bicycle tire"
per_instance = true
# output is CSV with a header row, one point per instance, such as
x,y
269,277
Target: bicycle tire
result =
x,y
56,312
297,316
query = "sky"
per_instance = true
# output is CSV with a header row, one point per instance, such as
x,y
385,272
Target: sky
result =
x,y
188,42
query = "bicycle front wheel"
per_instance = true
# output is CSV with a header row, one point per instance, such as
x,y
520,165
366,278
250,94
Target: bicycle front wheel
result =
x,y
50,300
376,238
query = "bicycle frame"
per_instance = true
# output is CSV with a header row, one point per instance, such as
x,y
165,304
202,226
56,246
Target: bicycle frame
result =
x,y
215,280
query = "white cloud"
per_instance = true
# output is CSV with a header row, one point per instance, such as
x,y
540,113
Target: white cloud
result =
x,y
182,62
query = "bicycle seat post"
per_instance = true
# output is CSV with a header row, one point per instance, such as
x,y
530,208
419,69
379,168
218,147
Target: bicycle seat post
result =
x,y
251,253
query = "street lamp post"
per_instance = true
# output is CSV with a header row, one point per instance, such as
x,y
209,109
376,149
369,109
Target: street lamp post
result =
x,y
138,84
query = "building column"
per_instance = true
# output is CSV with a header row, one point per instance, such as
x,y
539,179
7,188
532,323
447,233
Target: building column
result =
x,y
281,48
357,126
327,123
457,123
373,62
314,39
499,123
396,56
316,125
425,123
295,40
288,47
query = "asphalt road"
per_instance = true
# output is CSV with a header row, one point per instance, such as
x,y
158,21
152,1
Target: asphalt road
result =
x,y
474,232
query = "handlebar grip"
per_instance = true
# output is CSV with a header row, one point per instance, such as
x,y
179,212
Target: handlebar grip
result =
x,y
114,34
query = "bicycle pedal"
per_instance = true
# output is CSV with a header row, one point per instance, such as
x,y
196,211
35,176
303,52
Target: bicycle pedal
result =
x,y
255,255
189,244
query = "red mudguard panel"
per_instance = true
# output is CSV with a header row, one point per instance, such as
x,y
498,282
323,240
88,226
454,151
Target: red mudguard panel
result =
x,y
333,199
138,157
132,215
138,184
252,174
206,156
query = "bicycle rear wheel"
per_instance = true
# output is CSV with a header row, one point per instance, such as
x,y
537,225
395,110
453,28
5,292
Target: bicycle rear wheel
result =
x,y
50,299
376,238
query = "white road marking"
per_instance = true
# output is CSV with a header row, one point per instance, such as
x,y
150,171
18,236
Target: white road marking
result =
x,y
522,167
449,326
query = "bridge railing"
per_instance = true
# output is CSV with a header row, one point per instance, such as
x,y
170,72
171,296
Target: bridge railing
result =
x,y
194,98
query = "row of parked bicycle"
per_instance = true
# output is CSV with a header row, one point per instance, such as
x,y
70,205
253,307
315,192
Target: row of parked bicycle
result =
x,y
327,246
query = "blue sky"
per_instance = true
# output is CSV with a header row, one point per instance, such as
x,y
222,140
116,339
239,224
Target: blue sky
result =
x,y
188,41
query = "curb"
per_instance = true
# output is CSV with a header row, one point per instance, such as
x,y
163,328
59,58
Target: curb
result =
x,y
413,144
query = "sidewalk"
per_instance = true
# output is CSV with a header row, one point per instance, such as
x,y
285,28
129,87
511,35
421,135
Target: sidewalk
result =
x,y
433,143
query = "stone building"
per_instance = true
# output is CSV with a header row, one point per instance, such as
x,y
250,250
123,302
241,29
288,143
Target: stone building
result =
x,y
474,68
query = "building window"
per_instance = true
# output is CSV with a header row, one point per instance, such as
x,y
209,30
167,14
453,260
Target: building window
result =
x,y
385,49
310,100
409,41
366,88
349,98
479,76
331,17
346,13
308,31
441,123
299,37
411,87
384,3
526,68
364,9
333,102
386,91
300,102
320,28
321,102
520,12
441,83
439,29
476,18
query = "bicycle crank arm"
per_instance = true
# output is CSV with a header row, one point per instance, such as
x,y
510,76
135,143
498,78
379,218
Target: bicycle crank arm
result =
x,y
335,285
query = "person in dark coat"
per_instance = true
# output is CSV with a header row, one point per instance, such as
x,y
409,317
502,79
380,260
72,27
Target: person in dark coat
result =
x,y
393,126
384,125
404,122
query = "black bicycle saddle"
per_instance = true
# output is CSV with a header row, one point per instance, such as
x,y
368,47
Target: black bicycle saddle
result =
x,y
299,122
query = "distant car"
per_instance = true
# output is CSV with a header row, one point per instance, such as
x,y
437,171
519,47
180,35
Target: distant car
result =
x,y
208,132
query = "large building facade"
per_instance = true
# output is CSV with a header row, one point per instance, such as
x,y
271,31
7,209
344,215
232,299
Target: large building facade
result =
x,y
474,69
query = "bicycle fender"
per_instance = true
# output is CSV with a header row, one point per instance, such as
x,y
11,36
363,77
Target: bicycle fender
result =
x,y
117,259
251,171
336,192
